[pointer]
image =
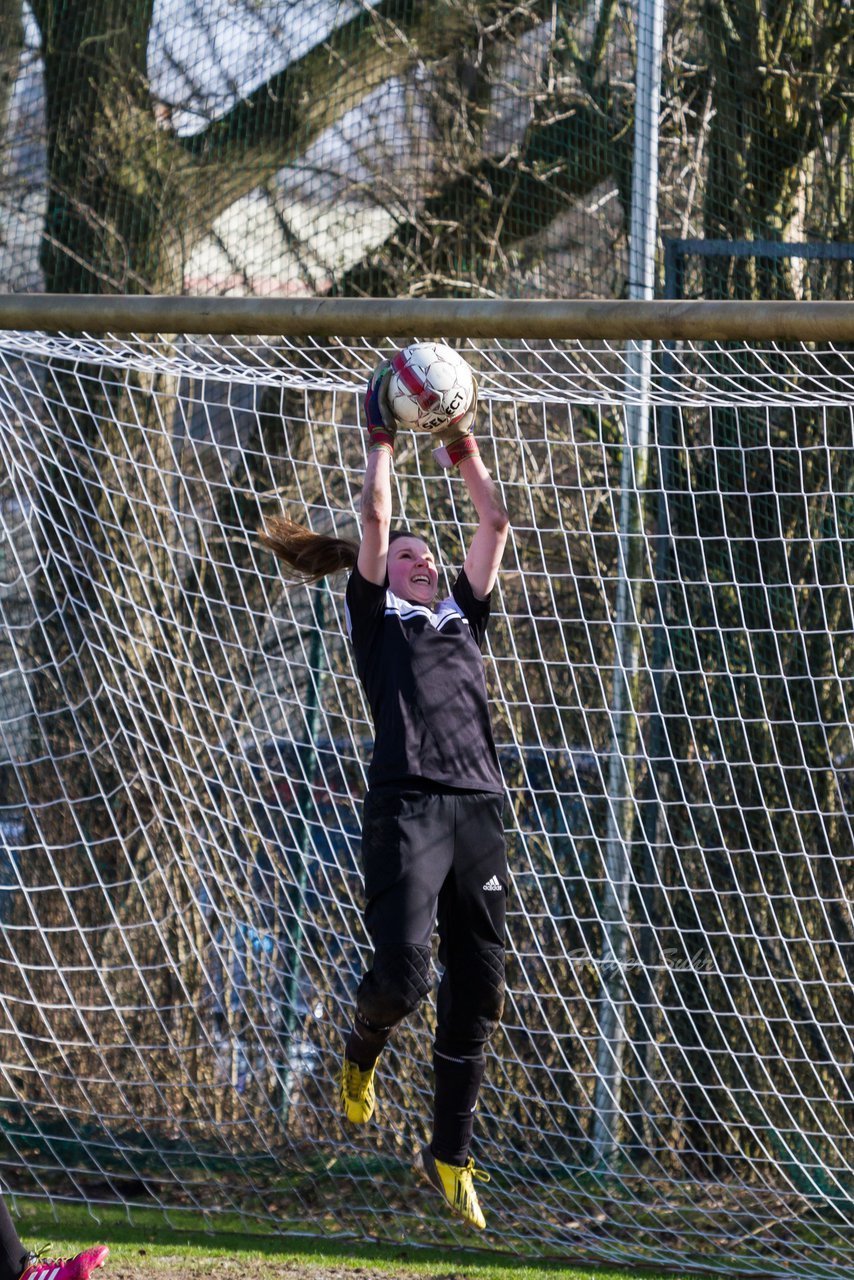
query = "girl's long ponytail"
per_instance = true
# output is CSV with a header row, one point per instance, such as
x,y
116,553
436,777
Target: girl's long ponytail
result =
x,y
307,556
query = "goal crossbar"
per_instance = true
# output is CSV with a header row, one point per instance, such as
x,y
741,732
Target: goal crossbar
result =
x,y
454,318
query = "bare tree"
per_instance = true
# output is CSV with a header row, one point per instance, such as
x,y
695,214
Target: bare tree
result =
x,y
129,198
780,77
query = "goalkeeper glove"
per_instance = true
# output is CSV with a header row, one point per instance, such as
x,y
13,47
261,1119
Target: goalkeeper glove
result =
x,y
381,425
457,438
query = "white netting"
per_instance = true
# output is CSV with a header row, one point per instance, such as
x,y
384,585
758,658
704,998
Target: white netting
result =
x,y
184,745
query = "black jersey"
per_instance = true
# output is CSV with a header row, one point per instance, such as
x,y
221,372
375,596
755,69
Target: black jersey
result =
x,y
422,671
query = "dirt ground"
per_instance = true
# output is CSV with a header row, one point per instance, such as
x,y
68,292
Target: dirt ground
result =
x,y
179,1268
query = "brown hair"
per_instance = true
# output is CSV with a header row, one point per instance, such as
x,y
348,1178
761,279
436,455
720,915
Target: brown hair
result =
x,y
308,556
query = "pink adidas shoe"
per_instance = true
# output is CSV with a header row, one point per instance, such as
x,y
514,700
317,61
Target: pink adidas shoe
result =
x,y
77,1268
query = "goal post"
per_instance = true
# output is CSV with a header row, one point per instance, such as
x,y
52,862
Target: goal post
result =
x,y
183,747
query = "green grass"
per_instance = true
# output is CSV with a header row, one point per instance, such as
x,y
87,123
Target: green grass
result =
x,y
150,1241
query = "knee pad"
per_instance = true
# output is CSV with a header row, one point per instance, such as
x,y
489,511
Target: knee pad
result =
x,y
487,987
475,1009
487,1019
394,986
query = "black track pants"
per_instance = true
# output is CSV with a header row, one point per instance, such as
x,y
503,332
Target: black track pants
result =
x,y
435,858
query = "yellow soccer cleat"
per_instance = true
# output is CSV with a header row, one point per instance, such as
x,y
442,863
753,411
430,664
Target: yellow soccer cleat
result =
x,y
358,1098
456,1184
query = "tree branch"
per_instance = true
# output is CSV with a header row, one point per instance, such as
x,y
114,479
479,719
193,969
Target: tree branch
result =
x,y
279,120
561,159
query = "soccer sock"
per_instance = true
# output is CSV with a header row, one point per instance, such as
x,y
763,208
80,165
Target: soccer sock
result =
x,y
457,1084
364,1045
13,1255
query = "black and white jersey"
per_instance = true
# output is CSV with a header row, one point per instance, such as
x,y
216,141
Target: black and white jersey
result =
x,y
422,671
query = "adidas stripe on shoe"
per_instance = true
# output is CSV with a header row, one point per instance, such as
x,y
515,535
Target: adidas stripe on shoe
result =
x,y
455,1183
79,1267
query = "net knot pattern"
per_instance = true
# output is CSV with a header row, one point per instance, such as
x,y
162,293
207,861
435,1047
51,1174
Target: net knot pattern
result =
x,y
184,745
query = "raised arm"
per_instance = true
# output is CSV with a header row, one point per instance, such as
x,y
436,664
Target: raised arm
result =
x,y
459,449
490,537
376,490
375,516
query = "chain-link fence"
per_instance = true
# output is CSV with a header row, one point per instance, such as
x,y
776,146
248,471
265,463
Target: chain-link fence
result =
x,y
461,147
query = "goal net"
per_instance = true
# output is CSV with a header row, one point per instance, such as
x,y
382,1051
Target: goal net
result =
x,y
184,746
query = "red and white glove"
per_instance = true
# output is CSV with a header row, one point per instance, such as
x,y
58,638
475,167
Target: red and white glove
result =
x,y
379,420
457,439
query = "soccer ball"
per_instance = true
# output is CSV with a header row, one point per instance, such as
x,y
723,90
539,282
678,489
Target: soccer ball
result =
x,y
430,387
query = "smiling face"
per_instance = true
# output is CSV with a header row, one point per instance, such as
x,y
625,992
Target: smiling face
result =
x,y
412,572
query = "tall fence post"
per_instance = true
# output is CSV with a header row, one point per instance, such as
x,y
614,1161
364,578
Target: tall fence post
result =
x,y
607,1107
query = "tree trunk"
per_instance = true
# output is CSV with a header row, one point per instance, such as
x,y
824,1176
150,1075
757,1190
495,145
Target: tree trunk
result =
x,y
11,44
115,208
765,126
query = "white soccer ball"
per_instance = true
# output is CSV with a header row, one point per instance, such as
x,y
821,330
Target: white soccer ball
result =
x,y
430,387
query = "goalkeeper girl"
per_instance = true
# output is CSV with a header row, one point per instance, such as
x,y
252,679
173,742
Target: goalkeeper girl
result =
x,y
432,835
